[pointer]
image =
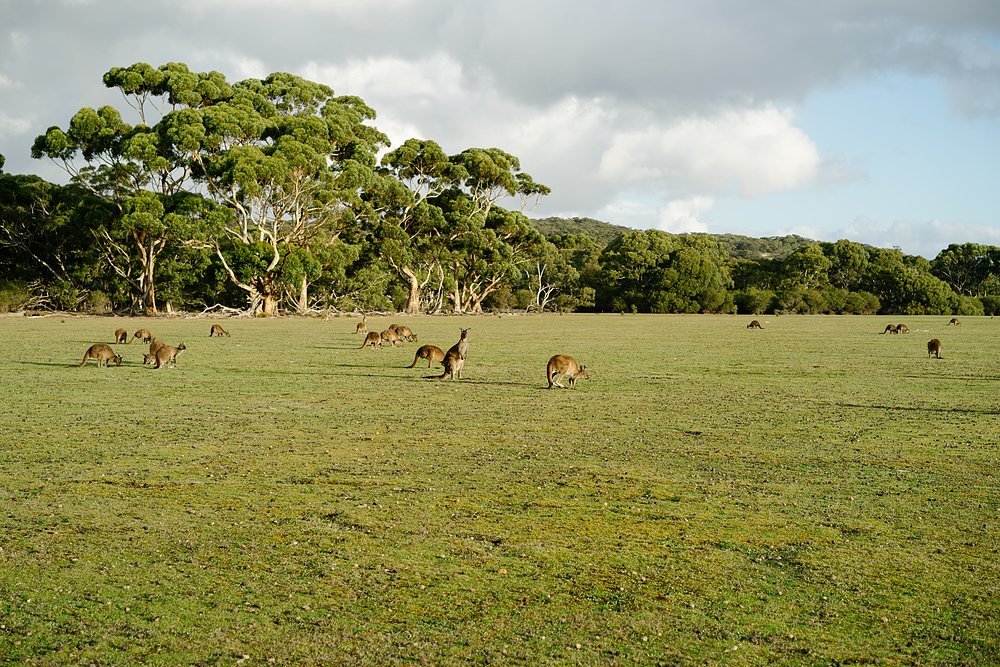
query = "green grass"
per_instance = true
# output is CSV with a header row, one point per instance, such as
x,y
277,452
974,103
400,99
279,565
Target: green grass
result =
x,y
810,494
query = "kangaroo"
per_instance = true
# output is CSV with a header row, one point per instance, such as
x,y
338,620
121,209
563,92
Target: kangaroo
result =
x,y
102,353
454,360
166,355
362,326
153,347
432,353
934,347
891,328
390,336
406,334
561,366
121,336
754,325
217,330
954,321
902,328
373,339
143,335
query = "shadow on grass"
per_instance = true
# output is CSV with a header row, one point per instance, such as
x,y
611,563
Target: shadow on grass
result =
x,y
918,408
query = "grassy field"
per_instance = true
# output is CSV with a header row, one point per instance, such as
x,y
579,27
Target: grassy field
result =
x,y
812,493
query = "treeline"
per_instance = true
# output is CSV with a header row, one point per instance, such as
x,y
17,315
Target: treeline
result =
x,y
268,195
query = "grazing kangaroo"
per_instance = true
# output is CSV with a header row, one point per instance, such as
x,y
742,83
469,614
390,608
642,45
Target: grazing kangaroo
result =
x,y
902,328
167,355
454,360
121,336
153,347
362,326
102,353
891,328
143,335
390,337
432,353
754,325
406,334
373,339
217,330
954,321
561,366
934,347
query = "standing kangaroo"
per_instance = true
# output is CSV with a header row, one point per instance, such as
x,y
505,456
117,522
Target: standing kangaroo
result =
x,y
143,335
217,330
166,355
373,338
103,353
934,347
121,336
432,353
561,366
454,360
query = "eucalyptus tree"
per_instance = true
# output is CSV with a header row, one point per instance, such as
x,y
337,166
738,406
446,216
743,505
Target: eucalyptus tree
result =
x,y
280,161
137,168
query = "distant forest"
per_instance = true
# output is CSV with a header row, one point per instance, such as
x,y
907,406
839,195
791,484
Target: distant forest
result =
x,y
274,196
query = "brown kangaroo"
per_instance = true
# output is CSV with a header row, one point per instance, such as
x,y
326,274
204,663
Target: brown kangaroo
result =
x,y
373,339
217,330
891,328
102,353
561,366
167,355
934,347
406,334
143,335
121,336
454,360
362,326
390,337
954,321
754,325
153,347
902,328
432,353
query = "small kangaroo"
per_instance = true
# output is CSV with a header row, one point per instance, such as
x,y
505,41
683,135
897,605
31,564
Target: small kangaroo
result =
x,y
754,325
102,353
902,328
954,321
373,339
217,330
390,337
561,366
891,328
154,345
121,336
362,326
143,335
454,360
166,355
432,353
934,347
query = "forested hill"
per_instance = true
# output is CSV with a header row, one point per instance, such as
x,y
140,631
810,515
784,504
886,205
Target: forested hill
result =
x,y
737,247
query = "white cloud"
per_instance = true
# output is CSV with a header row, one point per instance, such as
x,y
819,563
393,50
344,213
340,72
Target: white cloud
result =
x,y
10,127
754,151
682,215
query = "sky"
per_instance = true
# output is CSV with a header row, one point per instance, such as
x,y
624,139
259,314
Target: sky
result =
x,y
876,121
